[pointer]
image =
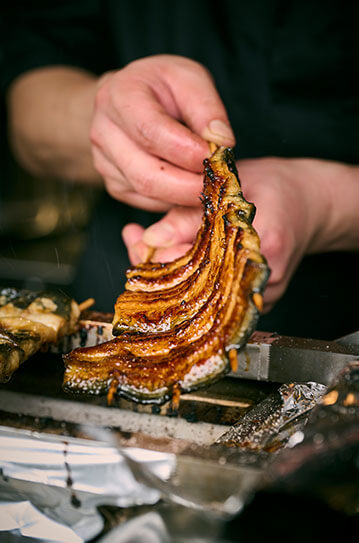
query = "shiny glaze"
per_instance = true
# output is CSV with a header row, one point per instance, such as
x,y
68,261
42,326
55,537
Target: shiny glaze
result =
x,y
176,321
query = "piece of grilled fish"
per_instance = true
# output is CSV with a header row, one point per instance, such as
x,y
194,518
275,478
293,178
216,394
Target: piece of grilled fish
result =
x,y
179,324
28,320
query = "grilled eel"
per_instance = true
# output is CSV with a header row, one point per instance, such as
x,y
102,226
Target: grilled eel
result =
x,y
179,324
28,320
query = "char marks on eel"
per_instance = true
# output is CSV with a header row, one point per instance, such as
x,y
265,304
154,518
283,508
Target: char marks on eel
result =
x,y
176,323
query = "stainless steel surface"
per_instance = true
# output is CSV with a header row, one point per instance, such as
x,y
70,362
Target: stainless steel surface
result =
x,y
219,488
36,390
270,357
202,485
350,339
266,357
201,433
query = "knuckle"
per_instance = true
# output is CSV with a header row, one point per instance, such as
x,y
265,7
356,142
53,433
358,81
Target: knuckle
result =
x,y
101,96
276,249
94,134
275,242
143,185
195,66
146,133
113,189
203,70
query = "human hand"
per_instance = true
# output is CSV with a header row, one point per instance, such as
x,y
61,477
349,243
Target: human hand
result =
x,y
291,197
149,130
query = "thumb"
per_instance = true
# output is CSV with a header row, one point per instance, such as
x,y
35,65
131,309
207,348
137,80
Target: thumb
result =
x,y
178,226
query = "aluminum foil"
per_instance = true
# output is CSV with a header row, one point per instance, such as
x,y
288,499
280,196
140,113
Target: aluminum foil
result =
x,y
22,519
323,459
269,425
49,478
51,484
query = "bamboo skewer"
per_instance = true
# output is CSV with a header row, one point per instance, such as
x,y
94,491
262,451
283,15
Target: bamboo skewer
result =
x,y
151,252
86,304
212,147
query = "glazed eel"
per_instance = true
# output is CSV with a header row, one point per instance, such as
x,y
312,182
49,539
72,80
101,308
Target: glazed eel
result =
x,y
179,324
30,319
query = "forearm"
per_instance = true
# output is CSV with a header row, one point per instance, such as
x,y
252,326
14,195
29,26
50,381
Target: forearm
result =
x,y
50,111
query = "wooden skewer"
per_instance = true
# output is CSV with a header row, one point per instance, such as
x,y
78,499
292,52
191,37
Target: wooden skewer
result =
x,y
212,147
112,391
151,250
176,394
86,304
258,301
233,360
150,253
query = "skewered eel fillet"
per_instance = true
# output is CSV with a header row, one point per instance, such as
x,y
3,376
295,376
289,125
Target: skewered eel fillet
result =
x,y
179,324
28,320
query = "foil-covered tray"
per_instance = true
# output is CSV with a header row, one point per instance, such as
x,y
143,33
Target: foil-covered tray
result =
x,y
55,483
49,482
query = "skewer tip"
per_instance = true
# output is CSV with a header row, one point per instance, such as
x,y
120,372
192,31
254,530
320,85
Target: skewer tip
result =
x,y
212,147
86,304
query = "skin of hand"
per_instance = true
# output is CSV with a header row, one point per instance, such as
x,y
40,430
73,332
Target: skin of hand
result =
x,y
143,129
303,205
300,210
149,130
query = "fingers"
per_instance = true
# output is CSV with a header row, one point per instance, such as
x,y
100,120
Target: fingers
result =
x,y
132,238
148,98
178,226
150,123
171,253
138,251
198,101
119,160
172,236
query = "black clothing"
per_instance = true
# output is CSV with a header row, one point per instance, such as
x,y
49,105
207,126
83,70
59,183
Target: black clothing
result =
x,y
287,73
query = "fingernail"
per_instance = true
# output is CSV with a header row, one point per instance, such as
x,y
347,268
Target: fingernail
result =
x,y
159,235
219,132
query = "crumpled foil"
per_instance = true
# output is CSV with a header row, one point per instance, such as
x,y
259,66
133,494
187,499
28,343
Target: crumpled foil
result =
x,y
22,519
269,425
323,459
51,478
52,485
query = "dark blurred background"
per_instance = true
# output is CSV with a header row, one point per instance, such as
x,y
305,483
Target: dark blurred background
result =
x,y
42,223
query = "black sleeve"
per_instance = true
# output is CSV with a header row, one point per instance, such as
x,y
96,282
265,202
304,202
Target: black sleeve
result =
x,y
41,33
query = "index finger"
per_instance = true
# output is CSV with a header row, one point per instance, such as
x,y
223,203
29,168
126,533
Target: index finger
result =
x,y
152,112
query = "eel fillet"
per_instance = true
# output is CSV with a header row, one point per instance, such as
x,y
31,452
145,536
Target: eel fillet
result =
x,y
28,320
178,325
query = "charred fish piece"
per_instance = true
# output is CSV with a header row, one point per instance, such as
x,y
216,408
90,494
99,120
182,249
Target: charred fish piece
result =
x,y
179,324
28,320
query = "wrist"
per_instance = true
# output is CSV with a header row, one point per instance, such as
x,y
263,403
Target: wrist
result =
x,y
332,205
60,148
344,192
